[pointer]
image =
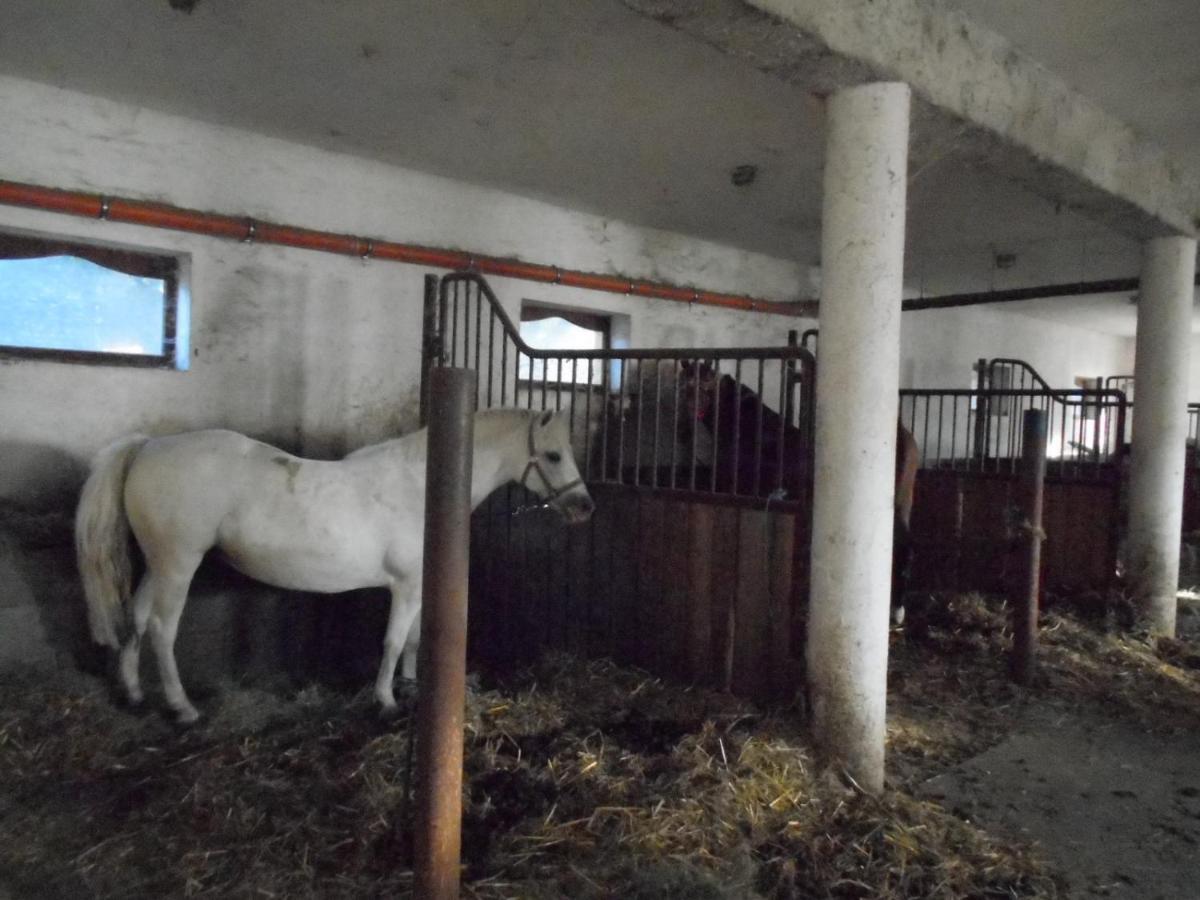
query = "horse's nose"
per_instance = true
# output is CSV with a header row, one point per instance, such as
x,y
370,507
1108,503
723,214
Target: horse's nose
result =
x,y
587,506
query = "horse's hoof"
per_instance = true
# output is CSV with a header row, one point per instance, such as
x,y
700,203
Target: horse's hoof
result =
x,y
186,717
406,688
389,712
135,698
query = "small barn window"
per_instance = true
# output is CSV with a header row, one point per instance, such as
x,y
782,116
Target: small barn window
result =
x,y
553,328
81,303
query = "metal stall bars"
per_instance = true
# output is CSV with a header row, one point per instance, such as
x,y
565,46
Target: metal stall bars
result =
x,y
1087,429
700,463
963,529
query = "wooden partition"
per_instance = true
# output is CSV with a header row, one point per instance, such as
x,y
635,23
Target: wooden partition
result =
x,y
964,531
686,589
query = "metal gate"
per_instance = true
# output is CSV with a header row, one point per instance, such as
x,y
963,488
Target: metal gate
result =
x,y
694,565
964,526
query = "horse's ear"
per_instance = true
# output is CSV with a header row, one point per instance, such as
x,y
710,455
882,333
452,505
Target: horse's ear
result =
x,y
546,417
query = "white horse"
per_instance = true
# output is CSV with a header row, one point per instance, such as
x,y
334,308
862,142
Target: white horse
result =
x,y
295,523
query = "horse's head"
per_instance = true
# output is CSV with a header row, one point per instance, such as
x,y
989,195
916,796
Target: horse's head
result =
x,y
697,393
551,472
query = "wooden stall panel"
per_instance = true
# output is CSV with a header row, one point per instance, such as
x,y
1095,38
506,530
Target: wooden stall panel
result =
x,y
936,527
725,566
1080,521
688,590
751,676
698,632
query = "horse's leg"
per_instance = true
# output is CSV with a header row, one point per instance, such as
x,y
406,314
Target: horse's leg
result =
x,y
406,603
169,597
131,653
901,562
412,646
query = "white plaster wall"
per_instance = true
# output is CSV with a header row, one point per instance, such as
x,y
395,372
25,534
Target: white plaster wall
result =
x,y
312,350
939,347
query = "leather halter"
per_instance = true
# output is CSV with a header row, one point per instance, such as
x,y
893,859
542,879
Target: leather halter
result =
x,y
534,465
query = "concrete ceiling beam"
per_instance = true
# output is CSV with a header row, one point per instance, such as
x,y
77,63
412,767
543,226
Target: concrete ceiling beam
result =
x,y
975,96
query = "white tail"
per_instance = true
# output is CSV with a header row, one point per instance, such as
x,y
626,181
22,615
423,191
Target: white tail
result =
x,y
102,538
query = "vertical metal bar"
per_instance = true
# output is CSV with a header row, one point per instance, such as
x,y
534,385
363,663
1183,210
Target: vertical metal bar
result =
x,y
621,421
545,375
788,409
429,343
587,424
574,392
529,381
694,424
442,688
925,428
716,424
1025,603
637,440
784,422
737,421
491,353
454,324
675,372
504,340
657,419
982,413
479,341
954,431
605,415
758,434
467,297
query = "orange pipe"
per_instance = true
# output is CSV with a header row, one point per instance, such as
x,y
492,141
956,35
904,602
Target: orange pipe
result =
x,y
178,218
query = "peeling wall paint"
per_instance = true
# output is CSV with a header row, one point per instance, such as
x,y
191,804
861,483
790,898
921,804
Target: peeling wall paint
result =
x,y
317,353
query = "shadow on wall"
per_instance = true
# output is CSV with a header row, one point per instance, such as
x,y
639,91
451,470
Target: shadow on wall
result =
x,y
232,628
39,476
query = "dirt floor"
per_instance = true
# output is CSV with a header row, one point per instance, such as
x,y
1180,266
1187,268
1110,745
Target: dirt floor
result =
x,y
592,780
1109,788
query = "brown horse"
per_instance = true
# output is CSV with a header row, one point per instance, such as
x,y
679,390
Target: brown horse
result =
x,y
757,453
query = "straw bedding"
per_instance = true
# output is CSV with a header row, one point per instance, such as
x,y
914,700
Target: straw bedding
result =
x,y
583,779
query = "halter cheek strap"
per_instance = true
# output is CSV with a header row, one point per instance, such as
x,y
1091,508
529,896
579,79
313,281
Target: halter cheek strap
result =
x,y
534,465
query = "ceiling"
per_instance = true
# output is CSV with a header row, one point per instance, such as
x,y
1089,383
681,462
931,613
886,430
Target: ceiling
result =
x,y
591,105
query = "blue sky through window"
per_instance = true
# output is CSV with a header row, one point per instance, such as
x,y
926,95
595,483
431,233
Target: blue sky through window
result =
x,y
67,303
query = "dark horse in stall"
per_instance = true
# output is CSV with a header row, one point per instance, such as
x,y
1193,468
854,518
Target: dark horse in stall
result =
x,y
757,453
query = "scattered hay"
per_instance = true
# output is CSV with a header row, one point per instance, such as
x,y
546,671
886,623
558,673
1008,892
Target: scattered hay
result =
x,y
951,696
586,780
583,779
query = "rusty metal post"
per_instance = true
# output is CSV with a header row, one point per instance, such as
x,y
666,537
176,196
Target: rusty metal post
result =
x,y
442,682
1030,493
789,380
431,343
983,412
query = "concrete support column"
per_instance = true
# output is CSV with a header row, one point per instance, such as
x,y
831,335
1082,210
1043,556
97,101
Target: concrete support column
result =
x,y
862,263
1164,331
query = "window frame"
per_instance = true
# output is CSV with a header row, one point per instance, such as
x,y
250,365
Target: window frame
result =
x,y
576,316
134,262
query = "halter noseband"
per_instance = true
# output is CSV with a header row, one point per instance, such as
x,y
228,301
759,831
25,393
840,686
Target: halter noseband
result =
x,y
534,465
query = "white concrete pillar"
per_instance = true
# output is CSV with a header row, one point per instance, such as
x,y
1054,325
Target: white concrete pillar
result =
x,y
1164,333
862,262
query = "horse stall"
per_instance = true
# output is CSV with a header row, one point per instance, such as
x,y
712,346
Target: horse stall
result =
x,y
965,527
694,565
